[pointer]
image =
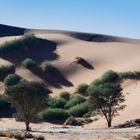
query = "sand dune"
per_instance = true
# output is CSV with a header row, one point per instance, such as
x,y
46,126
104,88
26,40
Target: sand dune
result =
x,y
103,52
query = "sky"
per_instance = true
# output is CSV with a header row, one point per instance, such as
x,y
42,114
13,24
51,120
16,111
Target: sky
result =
x,y
111,17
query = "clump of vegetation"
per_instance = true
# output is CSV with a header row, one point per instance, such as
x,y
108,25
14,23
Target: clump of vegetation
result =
x,y
110,76
46,67
54,115
129,75
73,121
56,103
28,63
82,89
136,137
11,79
6,69
65,95
20,135
74,100
79,110
28,100
77,121
20,44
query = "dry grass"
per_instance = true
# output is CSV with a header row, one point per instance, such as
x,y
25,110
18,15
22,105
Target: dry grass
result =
x,y
19,135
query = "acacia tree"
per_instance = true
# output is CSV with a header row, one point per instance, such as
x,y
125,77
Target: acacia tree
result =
x,y
28,100
107,99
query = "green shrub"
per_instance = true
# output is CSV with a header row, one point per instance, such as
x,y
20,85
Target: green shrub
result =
x,y
74,100
54,115
82,89
65,95
79,110
4,105
23,81
28,63
56,103
46,67
7,69
110,76
20,44
73,121
129,75
11,79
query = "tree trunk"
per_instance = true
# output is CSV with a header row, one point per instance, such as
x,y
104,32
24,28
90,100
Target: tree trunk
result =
x,y
27,127
109,123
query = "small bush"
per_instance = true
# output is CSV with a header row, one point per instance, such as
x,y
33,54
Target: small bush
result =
x,y
20,44
46,67
110,76
56,103
74,100
73,121
28,63
7,69
65,95
11,79
136,137
54,115
79,110
82,89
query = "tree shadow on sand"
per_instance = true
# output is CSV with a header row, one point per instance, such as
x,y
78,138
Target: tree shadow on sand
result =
x,y
45,50
53,78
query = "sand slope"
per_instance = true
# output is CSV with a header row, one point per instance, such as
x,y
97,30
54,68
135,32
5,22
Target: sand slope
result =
x,y
101,51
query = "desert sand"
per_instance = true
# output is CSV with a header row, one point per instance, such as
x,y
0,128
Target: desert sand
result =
x,y
100,51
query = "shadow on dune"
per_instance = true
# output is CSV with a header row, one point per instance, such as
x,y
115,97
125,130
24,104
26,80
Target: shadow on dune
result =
x,y
94,37
6,30
45,50
85,64
53,78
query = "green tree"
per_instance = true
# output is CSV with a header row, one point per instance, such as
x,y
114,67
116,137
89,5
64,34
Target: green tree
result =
x,y
28,100
107,99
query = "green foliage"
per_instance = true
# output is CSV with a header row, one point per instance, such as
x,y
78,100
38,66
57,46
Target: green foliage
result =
x,y
20,44
23,81
56,103
65,95
28,100
110,76
46,67
107,77
11,79
82,89
74,100
4,105
7,69
28,63
79,110
54,115
129,75
107,98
